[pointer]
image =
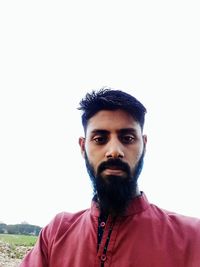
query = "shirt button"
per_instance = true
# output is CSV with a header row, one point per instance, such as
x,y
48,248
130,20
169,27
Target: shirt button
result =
x,y
103,257
102,224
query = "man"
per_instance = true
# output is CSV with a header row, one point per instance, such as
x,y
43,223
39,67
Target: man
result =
x,y
121,229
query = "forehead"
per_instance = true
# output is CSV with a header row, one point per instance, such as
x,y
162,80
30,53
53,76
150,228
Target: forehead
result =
x,y
112,120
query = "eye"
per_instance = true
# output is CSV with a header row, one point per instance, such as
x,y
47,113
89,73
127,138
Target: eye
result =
x,y
127,139
100,140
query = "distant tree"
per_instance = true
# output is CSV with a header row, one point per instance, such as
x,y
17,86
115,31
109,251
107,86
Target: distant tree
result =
x,y
12,229
24,229
3,228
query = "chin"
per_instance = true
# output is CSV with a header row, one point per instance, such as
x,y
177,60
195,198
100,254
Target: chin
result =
x,y
112,178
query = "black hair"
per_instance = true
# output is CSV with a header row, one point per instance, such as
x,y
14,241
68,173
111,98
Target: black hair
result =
x,y
109,99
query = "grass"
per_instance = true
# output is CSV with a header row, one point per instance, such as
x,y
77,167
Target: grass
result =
x,y
18,240
18,245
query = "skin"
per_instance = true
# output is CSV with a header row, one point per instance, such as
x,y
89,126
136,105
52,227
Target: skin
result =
x,y
113,134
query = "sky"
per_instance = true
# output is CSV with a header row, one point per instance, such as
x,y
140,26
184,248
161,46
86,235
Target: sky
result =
x,y
51,54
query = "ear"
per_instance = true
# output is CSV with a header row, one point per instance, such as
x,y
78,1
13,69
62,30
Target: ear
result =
x,y
144,137
82,145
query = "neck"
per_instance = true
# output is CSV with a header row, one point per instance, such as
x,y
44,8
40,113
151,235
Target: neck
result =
x,y
137,192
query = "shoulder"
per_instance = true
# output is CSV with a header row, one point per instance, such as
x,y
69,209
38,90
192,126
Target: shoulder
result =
x,y
177,221
66,217
61,223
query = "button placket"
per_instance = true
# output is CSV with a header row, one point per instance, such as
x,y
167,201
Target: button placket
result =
x,y
103,258
102,224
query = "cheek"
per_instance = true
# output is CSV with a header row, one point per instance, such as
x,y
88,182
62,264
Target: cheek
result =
x,y
138,156
93,158
135,157
94,154
139,151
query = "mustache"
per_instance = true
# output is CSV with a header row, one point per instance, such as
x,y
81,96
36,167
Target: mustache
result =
x,y
113,163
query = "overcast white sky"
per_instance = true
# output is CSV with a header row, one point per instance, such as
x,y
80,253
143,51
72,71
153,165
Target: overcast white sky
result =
x,y
51,54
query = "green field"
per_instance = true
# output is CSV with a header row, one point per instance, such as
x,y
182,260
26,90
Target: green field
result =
x,y
18,240
15,246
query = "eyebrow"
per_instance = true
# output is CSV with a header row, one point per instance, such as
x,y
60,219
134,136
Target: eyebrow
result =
x,y
120,131
127,130
100,131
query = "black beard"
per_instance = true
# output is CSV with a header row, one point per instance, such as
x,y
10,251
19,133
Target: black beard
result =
x,y
114,193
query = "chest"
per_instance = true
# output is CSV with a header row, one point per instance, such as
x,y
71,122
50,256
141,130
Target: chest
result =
x,y
127,243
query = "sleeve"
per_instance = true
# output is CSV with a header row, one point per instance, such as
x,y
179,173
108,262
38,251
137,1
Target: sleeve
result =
x,y
38,256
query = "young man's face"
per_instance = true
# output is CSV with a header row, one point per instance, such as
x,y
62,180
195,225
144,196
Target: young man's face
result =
x,y
113,135
113,149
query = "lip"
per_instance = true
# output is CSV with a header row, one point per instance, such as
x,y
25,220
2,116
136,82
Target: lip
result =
x,y
113,171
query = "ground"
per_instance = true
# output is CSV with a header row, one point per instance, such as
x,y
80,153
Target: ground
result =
x,y
11,256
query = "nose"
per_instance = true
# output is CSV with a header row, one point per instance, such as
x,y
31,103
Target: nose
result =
x,y
114,150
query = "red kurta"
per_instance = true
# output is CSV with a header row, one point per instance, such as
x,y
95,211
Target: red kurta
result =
x,y
146,236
